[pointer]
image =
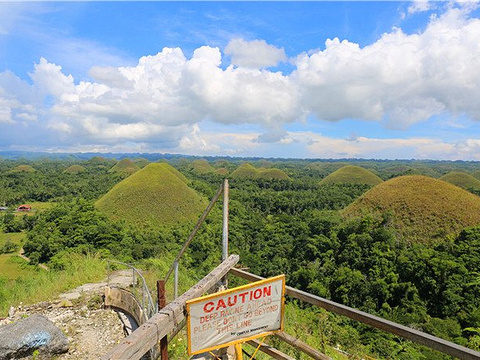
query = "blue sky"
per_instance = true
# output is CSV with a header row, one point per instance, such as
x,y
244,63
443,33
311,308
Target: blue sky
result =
x,y
362,79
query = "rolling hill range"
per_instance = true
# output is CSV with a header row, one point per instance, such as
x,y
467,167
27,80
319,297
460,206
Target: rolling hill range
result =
x,y
420,208
157,194
352,174
463,180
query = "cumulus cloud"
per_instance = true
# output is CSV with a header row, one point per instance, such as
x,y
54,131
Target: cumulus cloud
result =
x,y
399,80
254,54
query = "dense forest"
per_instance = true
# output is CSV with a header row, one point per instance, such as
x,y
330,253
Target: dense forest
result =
x,y
292,225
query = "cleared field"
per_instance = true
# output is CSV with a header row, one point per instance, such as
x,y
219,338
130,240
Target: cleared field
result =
x,y
11,265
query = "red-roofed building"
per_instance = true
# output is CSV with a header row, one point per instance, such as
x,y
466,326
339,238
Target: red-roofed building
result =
x,y
25,208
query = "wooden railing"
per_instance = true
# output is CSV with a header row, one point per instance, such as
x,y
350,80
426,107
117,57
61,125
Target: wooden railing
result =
x,y
170,318
405,332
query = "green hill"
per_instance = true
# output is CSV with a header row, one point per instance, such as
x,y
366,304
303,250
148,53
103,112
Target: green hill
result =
x,y
221,171
154,195
476,174
74,169
125,167
273,173
463,180
351,174
202,166
22,169
421,208
244,171
141,162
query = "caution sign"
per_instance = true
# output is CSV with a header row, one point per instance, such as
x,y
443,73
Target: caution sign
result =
x,y
235,315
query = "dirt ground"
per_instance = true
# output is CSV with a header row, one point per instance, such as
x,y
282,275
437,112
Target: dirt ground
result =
x,y
91,330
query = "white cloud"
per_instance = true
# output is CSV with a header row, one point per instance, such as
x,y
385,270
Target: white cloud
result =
x,y
391,148
418,6
254,54
400,79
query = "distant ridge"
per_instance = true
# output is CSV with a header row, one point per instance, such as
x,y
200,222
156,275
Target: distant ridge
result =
x,y
125,167
463,180
419,208
352,174
155,195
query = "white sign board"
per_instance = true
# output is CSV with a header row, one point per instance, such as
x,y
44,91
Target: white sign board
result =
x,y
235,315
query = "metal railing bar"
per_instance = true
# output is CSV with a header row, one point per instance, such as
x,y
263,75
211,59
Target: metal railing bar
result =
x,y
197,226
419,337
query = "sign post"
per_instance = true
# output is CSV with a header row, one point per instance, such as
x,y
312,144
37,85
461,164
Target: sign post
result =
x,y
236,315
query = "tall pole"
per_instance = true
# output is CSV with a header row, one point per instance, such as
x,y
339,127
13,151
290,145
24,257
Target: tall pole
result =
x,y
225,221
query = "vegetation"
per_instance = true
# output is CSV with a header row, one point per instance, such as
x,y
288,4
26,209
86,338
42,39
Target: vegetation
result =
x,y
125,167
155,195
351,174
23,169
74,169
419,208
141,162
463,180
202,166
371,249
247,171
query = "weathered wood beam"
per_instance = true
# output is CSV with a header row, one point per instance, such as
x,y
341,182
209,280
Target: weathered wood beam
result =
x,y
300,345
405,332
162,323
267,349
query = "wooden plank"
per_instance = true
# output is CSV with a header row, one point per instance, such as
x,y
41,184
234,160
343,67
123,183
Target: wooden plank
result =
x,y
405,332
267,349
162,323
300,345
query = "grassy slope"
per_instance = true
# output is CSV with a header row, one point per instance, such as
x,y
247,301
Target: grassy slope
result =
x,y
423,208
202,166
244,171
11,266
74,169
272,173
352,175
155,195
23,168
125,167
462,180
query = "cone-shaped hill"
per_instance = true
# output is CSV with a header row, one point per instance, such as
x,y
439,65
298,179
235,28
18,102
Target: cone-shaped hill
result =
x,y
74,169
244,171
247,171
202,166
154,195
421,208
125,167
22,169
272,173
463,180
141,162
351,174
